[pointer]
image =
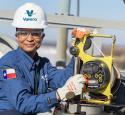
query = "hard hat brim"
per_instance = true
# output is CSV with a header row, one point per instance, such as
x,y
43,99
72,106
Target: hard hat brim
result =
x,y
29,26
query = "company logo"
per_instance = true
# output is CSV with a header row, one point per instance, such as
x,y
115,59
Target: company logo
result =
x,y
45,78
29,13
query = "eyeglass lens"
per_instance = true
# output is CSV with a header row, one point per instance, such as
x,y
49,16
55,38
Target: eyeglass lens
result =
x,y
26,33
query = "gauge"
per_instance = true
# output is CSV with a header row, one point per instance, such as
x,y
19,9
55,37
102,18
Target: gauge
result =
x,y
97,73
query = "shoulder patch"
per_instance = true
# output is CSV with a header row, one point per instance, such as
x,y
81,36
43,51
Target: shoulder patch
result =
x,y
9,73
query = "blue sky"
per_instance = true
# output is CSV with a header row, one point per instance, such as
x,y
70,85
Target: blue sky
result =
x,y
100,9
103,9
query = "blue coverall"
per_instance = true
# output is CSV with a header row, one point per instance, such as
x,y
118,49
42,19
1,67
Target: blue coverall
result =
x,y
18,93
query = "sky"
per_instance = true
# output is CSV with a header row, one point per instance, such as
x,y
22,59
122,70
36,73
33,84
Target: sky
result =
x,y
103,9
100,9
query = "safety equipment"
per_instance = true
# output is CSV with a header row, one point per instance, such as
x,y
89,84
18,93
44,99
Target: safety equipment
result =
x,y
80,32
24,34
30,15
72,87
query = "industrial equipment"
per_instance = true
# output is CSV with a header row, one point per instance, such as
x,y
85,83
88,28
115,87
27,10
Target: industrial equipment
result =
x,y
103,78
96,69
6,44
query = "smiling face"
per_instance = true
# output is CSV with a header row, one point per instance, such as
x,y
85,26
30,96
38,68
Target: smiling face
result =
x,y
29,40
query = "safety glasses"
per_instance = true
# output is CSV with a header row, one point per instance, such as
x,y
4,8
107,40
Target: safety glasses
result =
x,y
26,33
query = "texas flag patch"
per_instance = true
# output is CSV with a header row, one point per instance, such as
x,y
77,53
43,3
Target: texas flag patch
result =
x,y
9,73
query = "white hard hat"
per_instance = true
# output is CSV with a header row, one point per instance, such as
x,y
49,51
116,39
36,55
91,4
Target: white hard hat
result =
x,y
30,15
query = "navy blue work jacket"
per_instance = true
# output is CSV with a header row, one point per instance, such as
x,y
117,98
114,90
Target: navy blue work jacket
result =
x,y
17,82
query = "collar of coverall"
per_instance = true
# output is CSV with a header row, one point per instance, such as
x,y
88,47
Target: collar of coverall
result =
x,y
31,62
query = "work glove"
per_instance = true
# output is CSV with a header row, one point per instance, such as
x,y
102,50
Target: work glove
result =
x,y
72,87
80,32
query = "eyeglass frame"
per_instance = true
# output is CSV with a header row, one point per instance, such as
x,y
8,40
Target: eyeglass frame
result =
x,y
28,32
